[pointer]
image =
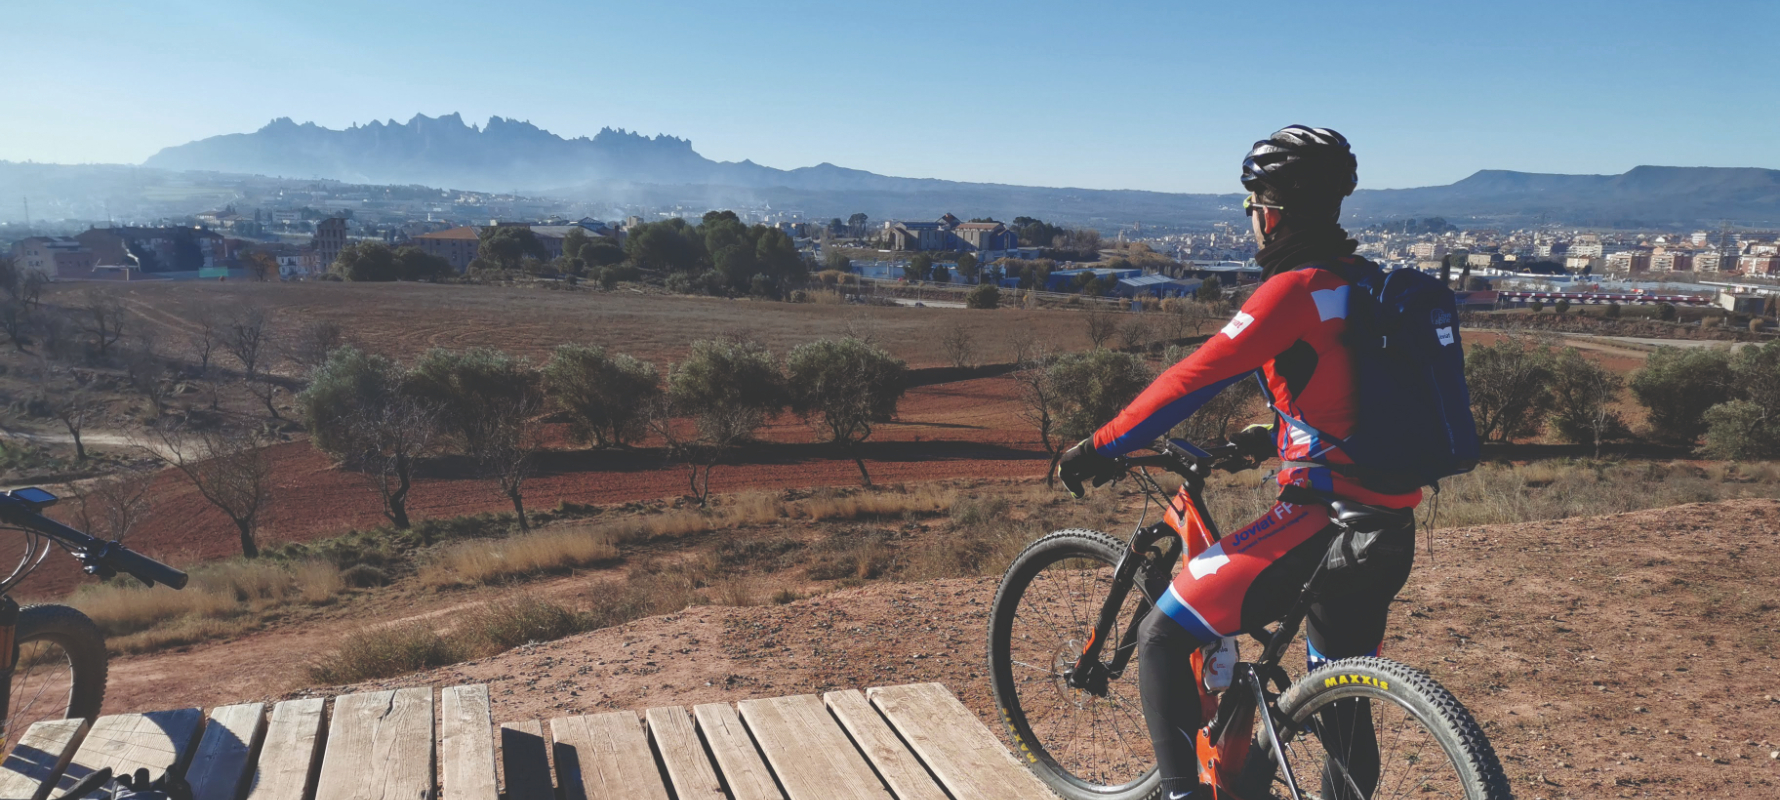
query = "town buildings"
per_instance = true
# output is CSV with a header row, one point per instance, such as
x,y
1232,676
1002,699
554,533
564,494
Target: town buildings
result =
x,y
330,239
456,245
156,249
54,256
951,234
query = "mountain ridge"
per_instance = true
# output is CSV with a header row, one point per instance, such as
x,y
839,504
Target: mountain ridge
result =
x,y
616,165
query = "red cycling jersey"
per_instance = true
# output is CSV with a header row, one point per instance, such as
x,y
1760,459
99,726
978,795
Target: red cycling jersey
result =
x,y
1291,330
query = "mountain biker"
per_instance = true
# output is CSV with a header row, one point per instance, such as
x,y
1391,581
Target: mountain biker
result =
x,y
1290,331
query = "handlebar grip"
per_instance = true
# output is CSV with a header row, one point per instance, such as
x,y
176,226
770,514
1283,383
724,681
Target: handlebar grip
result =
x,y
125,560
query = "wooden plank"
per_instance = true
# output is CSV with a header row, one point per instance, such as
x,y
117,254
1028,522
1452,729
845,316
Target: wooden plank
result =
x,y
968,760
220,768
873,736
288,758
683,756
31,769
605,756
380,747
525,761
157,741
734,751
808,751
466,744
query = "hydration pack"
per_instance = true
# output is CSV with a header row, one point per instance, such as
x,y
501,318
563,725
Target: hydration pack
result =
x,y
1414,425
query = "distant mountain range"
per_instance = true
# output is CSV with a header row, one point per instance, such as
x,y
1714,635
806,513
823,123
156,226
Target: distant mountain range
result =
x,y
622,167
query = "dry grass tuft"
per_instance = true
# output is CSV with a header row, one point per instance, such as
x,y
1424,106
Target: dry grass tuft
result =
x,y
387,652
479,562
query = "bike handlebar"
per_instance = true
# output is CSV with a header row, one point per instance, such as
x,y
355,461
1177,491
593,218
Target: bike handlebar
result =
x,y
98,555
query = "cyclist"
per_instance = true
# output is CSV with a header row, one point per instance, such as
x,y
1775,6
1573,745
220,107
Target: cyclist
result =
x,y
1291,332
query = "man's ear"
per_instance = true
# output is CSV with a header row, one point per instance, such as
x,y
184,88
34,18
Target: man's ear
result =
x,y
1270,220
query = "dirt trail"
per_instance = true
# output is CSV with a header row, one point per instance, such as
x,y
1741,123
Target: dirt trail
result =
x,y
1633,655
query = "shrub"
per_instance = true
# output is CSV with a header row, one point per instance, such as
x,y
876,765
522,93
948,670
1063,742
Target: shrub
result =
x,y
364,576
1536,305
1093,387
507,624
985,296
1611,311
1665,312
479,562
1677,385
1562,307
1510,391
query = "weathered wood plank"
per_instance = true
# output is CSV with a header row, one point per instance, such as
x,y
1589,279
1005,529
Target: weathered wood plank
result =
x,y
683,756
31,769
736,756
380,747
873,736
157,741
808,751
224,760
954,744
525,761
605,755
466,744
288,758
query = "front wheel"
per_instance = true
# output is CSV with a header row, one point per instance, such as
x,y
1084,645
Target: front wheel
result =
x,y
1373,728
1084,746
60,669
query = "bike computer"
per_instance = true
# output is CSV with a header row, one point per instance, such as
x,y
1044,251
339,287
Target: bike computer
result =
x,y
34,496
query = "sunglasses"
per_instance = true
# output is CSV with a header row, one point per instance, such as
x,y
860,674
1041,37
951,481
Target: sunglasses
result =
x,y
1249,204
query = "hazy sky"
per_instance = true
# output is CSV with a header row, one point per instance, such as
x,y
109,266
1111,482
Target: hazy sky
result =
x,y
1162,95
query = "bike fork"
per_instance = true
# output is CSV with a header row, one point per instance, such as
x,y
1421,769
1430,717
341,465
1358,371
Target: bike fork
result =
x,y
1253,679
1088,673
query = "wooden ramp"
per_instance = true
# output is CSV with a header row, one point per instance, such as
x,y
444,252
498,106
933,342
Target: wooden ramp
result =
x,y
897,743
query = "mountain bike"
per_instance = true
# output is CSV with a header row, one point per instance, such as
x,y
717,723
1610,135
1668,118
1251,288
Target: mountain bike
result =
x,y
52,657
1062,636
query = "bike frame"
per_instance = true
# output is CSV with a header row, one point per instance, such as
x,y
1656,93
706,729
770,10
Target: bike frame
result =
x,y
1159,545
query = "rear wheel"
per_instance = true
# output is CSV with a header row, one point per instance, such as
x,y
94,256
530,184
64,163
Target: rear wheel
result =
x,y
60,669
1084,746
1422,740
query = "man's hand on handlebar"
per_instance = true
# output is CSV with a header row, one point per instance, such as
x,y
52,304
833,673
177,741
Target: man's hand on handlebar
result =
x,y
1080,463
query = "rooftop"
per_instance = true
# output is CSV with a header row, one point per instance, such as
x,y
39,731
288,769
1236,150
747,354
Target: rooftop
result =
x,y
453,233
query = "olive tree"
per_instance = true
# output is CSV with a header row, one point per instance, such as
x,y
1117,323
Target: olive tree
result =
x,y
1510,388
1582,397
1748,425
728,388
228,466
1093,387
487,404
1678,385
845,386
357,412
603,394
1238,403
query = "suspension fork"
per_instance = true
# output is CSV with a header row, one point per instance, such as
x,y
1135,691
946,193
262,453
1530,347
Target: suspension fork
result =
x,y
1088,672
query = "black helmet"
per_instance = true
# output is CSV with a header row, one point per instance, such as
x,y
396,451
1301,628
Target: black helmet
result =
x,y
1298,161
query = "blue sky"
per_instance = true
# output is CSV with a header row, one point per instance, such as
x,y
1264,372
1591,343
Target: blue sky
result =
x,y
1143,95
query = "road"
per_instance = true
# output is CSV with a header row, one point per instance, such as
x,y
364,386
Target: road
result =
x,y
903,301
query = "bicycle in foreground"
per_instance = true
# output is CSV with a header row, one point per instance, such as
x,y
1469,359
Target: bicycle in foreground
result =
x,y
52,657
1062,639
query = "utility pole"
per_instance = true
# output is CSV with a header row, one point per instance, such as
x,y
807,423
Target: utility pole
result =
x,y
27,215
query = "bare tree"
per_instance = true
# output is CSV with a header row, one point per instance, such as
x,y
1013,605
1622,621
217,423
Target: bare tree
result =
x,y
31,288
147,374
103,316
74,406
508,445
16,319
1041,404
1102,322
1020,345
109,508
229,468
207,336
260,265
246,339
314,342
388,440
958,345
1135,333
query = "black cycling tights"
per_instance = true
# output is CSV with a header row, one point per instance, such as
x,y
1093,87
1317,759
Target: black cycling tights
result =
x,y
1338,627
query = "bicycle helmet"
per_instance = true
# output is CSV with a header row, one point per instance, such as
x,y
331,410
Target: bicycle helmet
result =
x,y
1299,161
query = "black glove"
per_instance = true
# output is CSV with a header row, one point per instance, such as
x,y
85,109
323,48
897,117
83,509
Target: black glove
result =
x,y
166,787
1080,463
1257,441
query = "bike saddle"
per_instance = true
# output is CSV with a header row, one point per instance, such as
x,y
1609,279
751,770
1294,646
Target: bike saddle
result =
x,y
1368,518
